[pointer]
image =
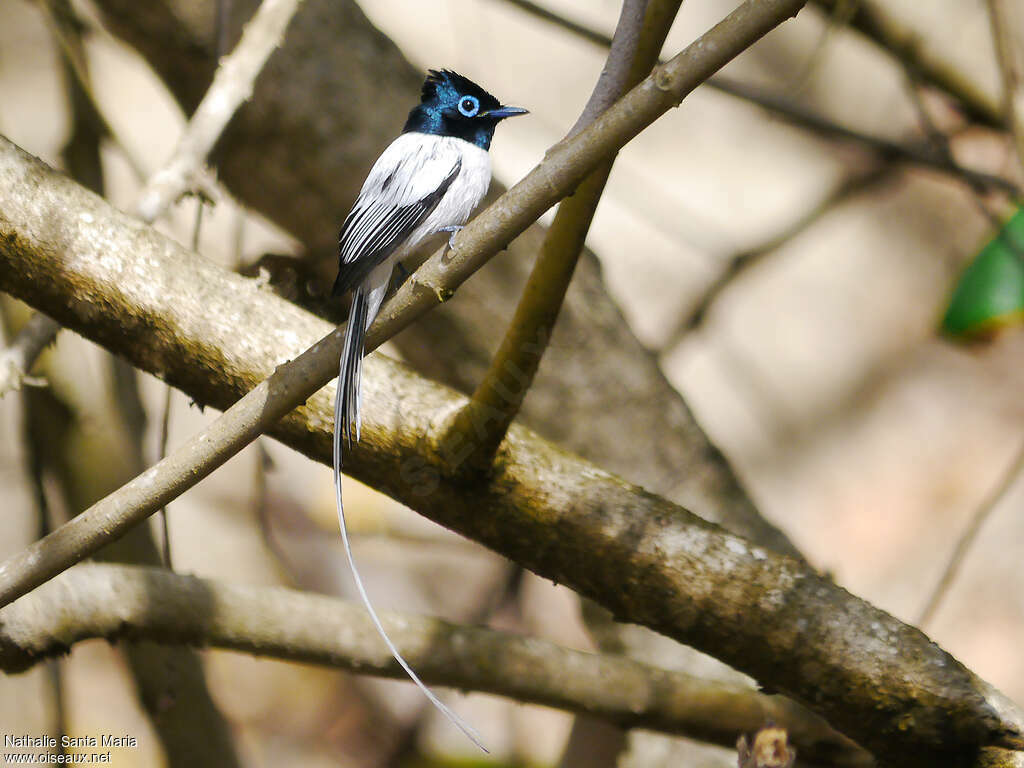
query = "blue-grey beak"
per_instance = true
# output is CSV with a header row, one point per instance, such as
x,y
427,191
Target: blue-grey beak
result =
x,y
502,112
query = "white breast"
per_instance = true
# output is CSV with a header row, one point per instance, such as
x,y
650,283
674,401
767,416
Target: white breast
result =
x,y
414,165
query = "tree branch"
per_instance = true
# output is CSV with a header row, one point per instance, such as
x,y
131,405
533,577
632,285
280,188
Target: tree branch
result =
x,y
134,603
215,334
741,262
231,87
499,396
922,155
67,30
902,42
619,72
1013,86
970,534
17,358
30,185
567,163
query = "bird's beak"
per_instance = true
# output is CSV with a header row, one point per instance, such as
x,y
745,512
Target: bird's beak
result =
x,y
502,112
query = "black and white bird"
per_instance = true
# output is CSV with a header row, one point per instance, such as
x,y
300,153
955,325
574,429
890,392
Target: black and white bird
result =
x,y
428,180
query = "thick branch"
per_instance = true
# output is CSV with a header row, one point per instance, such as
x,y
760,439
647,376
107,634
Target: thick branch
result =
x,y
131,603
215,335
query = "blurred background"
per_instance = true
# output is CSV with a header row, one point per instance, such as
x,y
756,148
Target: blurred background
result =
x,y
789,283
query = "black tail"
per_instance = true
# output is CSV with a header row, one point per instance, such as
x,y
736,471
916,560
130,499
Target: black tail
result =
x,y
346,416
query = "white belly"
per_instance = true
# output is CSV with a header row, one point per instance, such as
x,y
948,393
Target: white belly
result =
x,y
424,161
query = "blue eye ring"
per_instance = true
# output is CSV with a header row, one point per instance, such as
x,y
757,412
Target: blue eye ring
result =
x,y
469,106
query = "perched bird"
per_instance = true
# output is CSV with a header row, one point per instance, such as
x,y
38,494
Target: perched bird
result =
x,y
427,181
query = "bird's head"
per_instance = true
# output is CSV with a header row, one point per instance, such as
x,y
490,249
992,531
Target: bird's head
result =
x,y
453,105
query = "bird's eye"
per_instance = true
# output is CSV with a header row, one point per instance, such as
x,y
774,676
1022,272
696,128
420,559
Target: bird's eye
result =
x,y
469,106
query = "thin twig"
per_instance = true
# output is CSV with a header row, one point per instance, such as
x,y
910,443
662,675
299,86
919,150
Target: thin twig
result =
x,y
33,464
923,155
165,416
836,21
165,428
902,42
785,108
17,358
742,261
135,603
67,30
969,536
289,573
479,428
1013,85
939,140
232,86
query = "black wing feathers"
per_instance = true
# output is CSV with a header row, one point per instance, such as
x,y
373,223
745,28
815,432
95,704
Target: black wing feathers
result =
x,y
373,232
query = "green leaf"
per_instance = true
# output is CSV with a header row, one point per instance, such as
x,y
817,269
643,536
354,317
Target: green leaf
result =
x,y
990,293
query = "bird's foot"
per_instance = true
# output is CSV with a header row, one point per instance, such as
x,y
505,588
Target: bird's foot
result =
x,y
454,229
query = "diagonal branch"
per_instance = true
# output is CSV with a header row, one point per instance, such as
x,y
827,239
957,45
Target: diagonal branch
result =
x,y
133,603
232,86
565,165
215,334
618,74
483,423
739,263
969,535
922,155
901,41
17,358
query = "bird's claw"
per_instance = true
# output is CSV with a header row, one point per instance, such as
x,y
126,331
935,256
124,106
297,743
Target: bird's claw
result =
x,y
454,229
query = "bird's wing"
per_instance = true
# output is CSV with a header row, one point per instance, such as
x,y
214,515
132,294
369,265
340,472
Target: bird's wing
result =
x,y
386,213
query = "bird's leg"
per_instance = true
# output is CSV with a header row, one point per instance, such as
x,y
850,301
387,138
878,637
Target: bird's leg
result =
x,y
454,229
400,275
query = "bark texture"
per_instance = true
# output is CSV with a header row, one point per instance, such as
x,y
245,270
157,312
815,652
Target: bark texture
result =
x,y
146,604
299,152
215,335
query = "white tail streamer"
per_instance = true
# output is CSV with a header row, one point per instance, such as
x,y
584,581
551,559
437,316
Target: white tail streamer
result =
x,y
457,721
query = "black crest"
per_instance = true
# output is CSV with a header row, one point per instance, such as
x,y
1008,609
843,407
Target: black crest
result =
x,y
446,86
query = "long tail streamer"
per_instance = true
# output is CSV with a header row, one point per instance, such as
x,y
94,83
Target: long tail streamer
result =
x,y
346,419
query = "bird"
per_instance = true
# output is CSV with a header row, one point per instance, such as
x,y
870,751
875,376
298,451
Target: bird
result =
x,y
427,181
